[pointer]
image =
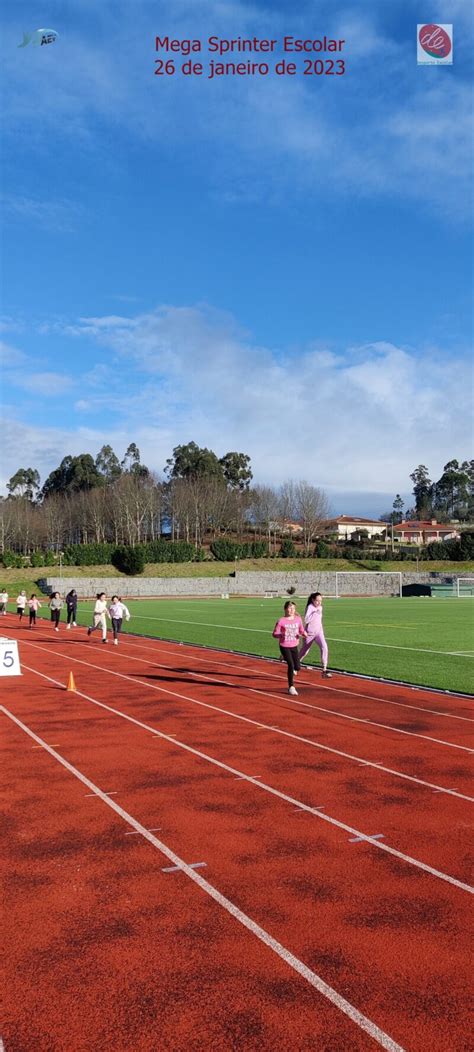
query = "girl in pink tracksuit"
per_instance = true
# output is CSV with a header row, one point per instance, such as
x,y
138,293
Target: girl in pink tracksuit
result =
x,y
288,631
34,605
313,620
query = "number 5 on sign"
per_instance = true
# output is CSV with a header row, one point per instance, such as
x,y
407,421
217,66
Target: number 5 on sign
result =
x,y
9,660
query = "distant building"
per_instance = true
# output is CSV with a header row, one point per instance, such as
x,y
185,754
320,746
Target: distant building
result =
x,y
421,532
350,527
291,529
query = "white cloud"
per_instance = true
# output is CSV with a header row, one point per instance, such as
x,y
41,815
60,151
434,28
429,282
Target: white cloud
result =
x,y
11,356
45,384
60,216
20,370
362,417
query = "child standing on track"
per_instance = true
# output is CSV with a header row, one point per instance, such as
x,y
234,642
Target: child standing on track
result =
x,y
288,630
20,604
313,620
34,605
3,601
55,606
100,613
118,611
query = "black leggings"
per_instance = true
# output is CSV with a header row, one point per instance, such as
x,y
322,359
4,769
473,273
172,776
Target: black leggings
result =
x,y
116,625
291,656
55,615
71,614
32,617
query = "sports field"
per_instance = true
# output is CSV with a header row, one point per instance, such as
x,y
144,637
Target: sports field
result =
x,y
196,860
428,642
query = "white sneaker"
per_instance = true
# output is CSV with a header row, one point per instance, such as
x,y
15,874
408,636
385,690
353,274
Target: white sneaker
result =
x,y
327,675
295,673
116,642
68,626
56,629
74,624
293,691
105,641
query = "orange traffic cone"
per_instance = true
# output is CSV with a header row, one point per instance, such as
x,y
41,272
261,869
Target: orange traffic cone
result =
x,y
70,683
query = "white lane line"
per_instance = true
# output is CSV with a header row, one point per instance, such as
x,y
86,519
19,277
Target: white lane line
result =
x,y
178,869
391,646
289,958
306,705
264,631
356,719
263,726
274,792
321,686
358,839
154,829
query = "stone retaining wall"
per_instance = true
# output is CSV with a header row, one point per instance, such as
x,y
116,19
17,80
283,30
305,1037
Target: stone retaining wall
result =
x,y
244,583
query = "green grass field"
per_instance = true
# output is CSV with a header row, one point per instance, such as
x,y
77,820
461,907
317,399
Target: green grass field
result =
x,y
421,641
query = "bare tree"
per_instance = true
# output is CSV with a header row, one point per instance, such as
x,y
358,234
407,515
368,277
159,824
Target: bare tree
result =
x,y
264,511
6,524
311,507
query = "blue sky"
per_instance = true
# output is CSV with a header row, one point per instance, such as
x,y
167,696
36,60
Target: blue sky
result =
x,y
275,265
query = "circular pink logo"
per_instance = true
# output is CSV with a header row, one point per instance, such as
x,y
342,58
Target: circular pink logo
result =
x,y
435,41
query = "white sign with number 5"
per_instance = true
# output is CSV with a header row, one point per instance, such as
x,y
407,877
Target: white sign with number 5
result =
x,y
9,660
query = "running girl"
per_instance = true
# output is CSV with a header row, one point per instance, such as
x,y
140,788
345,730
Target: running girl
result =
x,y
100,613
34,605
313,620
20,605
288,630
55,606
71,607
118,611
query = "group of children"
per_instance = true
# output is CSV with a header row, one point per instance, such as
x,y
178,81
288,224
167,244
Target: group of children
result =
x,y
289,629
116,612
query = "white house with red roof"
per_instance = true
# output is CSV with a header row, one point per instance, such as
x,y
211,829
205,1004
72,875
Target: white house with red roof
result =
x,y
344,527
425,532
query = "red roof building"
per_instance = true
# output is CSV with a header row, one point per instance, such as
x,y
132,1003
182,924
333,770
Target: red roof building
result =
x,y
425,532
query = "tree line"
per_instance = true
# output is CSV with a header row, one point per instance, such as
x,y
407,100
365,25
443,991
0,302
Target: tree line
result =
x,y
202,497
451,497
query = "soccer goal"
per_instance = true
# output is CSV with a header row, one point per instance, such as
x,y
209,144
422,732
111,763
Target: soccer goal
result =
x,y
465,587
351,584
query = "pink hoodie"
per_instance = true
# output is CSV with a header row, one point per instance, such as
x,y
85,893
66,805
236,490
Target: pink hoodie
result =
x,y
288,630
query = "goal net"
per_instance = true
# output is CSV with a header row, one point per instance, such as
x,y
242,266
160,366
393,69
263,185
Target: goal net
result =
x,y
464,587
351,584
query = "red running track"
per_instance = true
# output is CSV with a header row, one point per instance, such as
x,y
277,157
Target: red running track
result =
x,y
303,930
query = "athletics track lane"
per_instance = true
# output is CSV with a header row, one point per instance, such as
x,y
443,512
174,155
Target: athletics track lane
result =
x,y
361,793
289,868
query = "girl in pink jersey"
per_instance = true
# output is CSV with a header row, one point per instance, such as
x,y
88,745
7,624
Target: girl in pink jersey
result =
x,y
34,605
288,631
313,620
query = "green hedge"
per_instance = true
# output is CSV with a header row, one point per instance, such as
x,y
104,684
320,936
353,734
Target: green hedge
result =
x,y
10,558
227,551
88,554
129,560
288,550
170,552
153,552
